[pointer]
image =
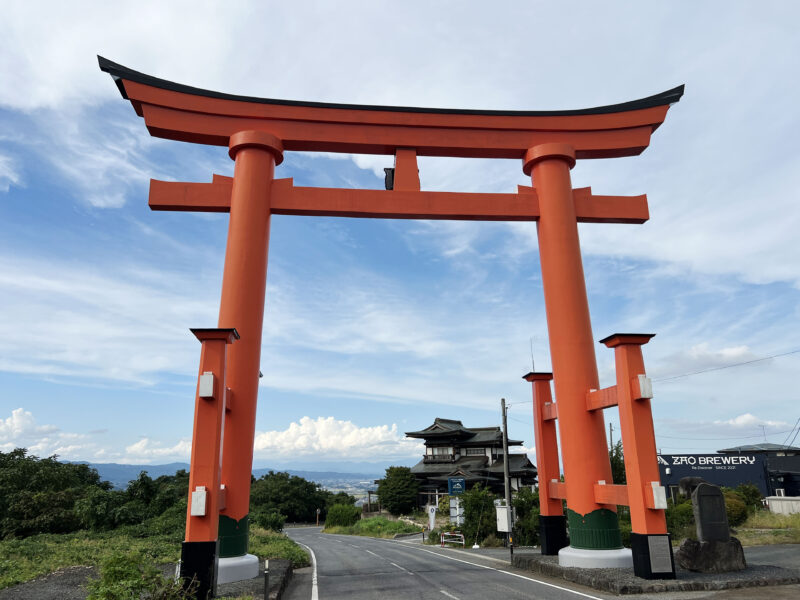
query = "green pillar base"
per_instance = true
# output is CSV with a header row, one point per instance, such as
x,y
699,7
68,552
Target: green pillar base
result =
x,y
233,536
597,530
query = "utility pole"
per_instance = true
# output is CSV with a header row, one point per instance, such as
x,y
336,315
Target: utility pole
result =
x,y
506,477
610,436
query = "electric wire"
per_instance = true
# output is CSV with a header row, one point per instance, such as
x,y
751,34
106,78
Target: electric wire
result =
x,y
731,366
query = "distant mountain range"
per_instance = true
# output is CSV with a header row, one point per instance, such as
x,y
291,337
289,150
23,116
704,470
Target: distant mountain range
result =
x,y
119,475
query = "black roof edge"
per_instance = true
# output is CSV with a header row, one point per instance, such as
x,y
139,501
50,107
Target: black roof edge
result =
x,y
120,72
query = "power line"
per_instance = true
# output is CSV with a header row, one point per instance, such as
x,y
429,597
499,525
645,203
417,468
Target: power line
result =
x,y
790,433
735,437
747,362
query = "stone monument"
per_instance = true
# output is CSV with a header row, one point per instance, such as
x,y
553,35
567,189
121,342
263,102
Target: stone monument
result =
x,y
714,550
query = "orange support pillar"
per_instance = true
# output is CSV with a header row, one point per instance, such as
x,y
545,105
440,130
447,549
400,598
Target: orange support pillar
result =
x,y
243,289
650,542
584,452
199,551
552,524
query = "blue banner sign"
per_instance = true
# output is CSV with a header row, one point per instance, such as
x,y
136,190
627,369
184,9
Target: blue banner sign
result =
x,y
456,486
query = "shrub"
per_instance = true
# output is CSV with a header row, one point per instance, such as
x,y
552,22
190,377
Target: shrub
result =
x,y
750,495
526,509
479,514
127,576
342,515
736,508
492,541
269,518
679,518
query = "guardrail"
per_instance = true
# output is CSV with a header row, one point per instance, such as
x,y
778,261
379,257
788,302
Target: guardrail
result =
x,y
452,538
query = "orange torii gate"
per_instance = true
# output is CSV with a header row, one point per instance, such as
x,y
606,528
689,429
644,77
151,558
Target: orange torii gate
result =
x,y
258,131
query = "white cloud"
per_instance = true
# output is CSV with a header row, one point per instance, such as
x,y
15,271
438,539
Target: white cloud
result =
x,y
750,421
330,438
9,174
21,431
147,451
128,325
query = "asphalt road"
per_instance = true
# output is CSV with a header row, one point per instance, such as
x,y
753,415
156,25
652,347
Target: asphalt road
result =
x,y
361,568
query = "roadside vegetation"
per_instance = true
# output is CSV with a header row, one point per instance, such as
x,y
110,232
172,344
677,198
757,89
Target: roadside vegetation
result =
x,y
55,515
378,527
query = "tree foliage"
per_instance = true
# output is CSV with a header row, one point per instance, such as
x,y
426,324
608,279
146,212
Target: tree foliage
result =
x,y
398,490
617,458
296,498
480,520
526,509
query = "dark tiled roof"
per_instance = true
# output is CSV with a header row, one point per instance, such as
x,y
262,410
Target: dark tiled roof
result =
x,y
763,447
516,463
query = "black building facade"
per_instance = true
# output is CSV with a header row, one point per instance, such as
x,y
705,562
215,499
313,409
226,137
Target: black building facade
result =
x,y
474,453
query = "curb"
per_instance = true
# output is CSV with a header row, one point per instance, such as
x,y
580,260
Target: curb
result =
x,y
623,581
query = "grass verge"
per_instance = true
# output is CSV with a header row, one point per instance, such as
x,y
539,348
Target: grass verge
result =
x,y
268,544
379,527
763,528
24,559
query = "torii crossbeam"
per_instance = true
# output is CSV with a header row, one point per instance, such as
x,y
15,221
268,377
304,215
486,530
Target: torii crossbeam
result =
x,y
258,131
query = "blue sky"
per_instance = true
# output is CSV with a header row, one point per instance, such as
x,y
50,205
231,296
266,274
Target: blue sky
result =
x,y
375,327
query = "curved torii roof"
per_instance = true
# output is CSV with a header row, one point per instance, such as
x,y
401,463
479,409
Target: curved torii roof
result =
x,y
180,112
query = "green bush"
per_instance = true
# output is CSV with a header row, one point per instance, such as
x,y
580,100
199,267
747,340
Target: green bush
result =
x,y
526,509
736,508
342,515
680,518
128,576
479,514
751,496
269,518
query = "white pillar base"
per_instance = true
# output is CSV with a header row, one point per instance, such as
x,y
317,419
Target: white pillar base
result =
x,y
237,568
595,559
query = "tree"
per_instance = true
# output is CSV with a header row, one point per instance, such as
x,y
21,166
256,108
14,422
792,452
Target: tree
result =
x,y
293,496
480,518
617,458
397,491
526,510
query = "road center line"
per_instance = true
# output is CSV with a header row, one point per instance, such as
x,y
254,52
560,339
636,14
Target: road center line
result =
x,y
558,587
401,568
314,589
371,552
449,595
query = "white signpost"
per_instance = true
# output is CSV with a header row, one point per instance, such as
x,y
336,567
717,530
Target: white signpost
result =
x,y
431,518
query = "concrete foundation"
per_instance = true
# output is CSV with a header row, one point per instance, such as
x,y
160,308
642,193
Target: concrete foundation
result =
x,y
237,568
595,559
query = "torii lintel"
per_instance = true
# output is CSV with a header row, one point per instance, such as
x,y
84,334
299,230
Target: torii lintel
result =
x,y
179,112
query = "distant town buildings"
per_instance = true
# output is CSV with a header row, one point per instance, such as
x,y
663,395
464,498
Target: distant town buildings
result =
x,y
474,453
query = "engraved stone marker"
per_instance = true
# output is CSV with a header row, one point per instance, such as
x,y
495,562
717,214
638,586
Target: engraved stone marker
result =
x,y
708,505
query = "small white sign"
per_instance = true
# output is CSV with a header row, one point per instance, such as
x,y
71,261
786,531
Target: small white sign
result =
x,y
503,519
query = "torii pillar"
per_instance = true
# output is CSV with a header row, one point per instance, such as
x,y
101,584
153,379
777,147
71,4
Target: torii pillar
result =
x,y
594,528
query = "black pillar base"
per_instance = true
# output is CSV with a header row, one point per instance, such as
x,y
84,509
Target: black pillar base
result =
x,y
199,563
553,534
652,556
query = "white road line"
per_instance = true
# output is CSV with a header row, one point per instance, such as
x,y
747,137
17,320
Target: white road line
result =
x,y
401,568
558,587
371,552
449,595
314,590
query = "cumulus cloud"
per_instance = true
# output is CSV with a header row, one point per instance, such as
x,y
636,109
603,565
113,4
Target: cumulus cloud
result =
x,y
147,450
328,437
21,431
748,420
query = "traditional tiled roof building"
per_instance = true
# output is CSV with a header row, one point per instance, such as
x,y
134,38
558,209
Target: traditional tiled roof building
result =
x,y
474,453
